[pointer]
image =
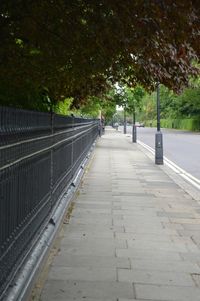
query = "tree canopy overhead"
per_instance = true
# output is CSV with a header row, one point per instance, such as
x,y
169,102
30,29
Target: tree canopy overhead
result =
x,y
78,48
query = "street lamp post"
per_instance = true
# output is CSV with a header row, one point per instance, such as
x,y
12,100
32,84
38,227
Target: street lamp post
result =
x,y
124,119
134,129
158,136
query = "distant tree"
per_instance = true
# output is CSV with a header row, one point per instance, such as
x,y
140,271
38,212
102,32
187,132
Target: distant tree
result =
x,y
92,107
148,111
169,104
129,98
134,98
95,106
188,103
63,107
184,105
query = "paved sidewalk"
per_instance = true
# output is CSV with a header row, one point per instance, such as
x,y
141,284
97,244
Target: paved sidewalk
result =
x,y
133,234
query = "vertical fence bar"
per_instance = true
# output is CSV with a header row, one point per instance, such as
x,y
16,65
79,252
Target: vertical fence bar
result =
x,y
72,147
51,167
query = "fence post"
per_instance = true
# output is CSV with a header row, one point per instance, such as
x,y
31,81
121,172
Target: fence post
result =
x,y
134,129
72,156
51,167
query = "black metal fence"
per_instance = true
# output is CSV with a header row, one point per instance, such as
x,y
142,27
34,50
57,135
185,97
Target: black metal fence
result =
x,y
39,155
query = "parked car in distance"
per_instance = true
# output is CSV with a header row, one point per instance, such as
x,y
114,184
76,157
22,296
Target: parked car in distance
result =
x,y
139,124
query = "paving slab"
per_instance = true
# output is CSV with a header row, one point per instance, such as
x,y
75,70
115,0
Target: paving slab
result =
x,y
89,233
63,290
167,293
152,245
68,260
155,277
109,243
155,237
190,256
166,265
83,273
150,230
176,214
92,212
145,254
87,220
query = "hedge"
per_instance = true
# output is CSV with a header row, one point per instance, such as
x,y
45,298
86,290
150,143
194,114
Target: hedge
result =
x,y
183,124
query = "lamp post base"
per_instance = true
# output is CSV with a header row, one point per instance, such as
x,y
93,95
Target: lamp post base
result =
x,y
134,134
158,148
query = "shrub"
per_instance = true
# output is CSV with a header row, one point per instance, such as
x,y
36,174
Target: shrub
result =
x,y
191,124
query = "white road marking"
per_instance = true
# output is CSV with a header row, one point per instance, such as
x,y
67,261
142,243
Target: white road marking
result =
x,y
184,174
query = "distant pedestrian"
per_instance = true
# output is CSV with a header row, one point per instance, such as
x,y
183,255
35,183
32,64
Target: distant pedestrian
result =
x,y
103,125
99,128
116,125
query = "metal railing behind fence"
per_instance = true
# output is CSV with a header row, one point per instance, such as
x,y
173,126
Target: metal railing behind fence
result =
x,y
39,155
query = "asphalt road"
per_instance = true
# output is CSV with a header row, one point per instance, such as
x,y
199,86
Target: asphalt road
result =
x,y
181,147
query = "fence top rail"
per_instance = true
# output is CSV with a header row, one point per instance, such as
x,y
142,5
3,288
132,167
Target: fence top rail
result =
x,y
20,142
19,124
42,150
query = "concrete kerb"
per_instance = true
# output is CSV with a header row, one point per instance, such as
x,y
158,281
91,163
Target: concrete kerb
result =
x,y
25,279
